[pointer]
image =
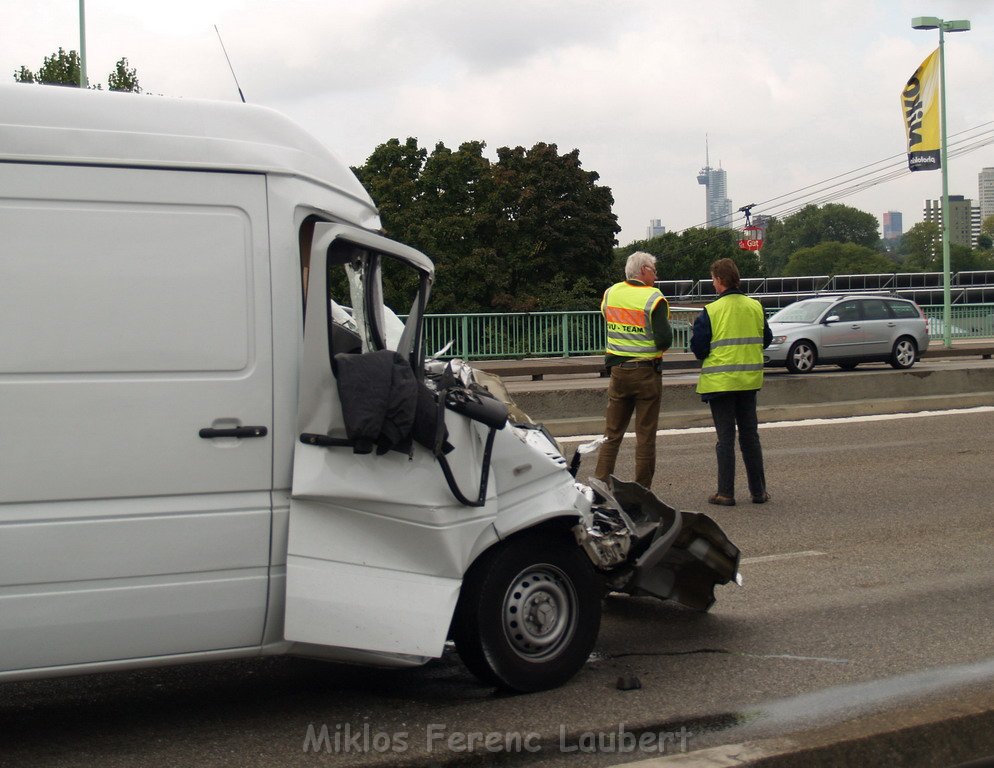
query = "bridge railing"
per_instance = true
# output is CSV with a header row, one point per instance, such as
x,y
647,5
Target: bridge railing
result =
x,y
510,335
971,321
505,336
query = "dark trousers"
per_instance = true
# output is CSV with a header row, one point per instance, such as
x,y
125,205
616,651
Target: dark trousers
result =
x,y
729,410
638,391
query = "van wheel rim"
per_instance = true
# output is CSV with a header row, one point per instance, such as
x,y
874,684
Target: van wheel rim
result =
x,y
539,612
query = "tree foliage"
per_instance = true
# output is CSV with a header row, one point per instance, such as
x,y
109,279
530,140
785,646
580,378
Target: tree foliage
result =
x,y
62,68
921,245
832,222
531,231
123,78
689,254
987,226
922,249
834,258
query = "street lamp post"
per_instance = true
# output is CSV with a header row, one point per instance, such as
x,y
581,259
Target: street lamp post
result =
x,y
83,81
961,25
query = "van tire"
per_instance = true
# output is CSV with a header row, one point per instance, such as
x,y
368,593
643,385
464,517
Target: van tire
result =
x,y
528,614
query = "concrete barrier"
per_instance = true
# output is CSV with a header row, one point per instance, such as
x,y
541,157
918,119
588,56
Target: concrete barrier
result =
x,y
577,407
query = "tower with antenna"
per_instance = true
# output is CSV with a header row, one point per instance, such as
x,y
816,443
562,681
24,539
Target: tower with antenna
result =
x,y
718,207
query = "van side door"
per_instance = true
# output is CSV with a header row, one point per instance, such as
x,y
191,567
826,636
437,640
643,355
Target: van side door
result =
x,y
135,414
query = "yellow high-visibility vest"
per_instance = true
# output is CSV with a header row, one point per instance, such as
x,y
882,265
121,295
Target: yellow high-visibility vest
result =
x,y
735,362
627,309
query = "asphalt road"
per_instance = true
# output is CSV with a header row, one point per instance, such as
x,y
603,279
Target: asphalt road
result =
x,y
868,581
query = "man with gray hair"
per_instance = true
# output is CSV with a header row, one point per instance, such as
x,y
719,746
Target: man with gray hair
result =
x,y
638,332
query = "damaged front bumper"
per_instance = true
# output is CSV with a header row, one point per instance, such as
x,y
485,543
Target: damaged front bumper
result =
x,y
643,546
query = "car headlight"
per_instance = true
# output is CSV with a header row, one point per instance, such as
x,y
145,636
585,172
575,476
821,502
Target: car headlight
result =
x,y
778,340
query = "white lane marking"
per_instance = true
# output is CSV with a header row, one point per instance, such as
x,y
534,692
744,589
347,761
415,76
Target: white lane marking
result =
x,y
791,657
802,423
782,556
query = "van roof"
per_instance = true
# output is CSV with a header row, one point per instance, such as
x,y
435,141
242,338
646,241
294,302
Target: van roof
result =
x,y
51,124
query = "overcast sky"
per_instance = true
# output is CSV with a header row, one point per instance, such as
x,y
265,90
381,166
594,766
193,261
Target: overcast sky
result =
x,y
789,94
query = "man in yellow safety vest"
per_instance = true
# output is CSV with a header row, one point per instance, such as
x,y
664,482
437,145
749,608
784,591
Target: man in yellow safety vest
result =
x,y
730,336
638,332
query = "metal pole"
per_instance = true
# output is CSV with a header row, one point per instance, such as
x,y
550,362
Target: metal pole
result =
x,y
83,83
944,162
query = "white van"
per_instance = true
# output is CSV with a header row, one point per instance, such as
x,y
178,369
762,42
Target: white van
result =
x,y
179,480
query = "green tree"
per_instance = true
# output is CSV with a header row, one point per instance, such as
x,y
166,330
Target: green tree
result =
x,y
962,258
553,219
921,247
533,231
835,258
689,254
123,78
987,226
62,68
813,225
985,242
456,227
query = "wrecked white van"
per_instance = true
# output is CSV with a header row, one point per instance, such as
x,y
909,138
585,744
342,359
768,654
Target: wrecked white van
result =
x,y
217,439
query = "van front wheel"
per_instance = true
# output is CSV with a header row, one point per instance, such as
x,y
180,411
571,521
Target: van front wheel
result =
x,y
528,614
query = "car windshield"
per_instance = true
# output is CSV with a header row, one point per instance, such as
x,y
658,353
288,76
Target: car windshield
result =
x,y
801,312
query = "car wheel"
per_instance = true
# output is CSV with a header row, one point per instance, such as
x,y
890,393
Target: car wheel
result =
x,y
904,353
528,614
848,366
802,357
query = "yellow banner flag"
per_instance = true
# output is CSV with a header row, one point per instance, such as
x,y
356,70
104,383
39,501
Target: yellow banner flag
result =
x,y
920,104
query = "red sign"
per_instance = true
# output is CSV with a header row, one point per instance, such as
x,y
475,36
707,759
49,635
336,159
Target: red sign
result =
x,y
750,244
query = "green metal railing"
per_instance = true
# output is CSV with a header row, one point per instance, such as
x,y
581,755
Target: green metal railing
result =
x,y
966,321
566,334
531,334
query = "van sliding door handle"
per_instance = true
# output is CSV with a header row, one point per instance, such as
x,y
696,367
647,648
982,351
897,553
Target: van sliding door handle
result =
x,y
209,432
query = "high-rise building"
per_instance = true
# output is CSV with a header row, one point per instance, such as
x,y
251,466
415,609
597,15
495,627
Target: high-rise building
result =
x,y
655,229
718,207
893,223
964,219
986,196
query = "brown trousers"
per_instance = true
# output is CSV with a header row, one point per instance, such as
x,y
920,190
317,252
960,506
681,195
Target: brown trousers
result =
x,y
637,390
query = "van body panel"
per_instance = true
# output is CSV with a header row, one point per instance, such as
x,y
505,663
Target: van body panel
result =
x,y
399,609
76,126
108,619
136,308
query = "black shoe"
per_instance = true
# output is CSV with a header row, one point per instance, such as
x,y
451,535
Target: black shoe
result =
x,y
761,499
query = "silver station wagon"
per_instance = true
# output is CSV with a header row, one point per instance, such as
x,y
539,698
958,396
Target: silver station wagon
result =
x,y
847,331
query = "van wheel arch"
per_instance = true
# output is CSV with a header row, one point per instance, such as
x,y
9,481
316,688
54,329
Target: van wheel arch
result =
x,y
529,611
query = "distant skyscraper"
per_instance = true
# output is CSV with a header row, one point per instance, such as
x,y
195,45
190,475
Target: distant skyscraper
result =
x,y
655,229
986,196
964,219
718,206
893,225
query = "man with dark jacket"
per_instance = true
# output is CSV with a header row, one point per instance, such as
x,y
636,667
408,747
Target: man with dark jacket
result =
x,y
730,336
